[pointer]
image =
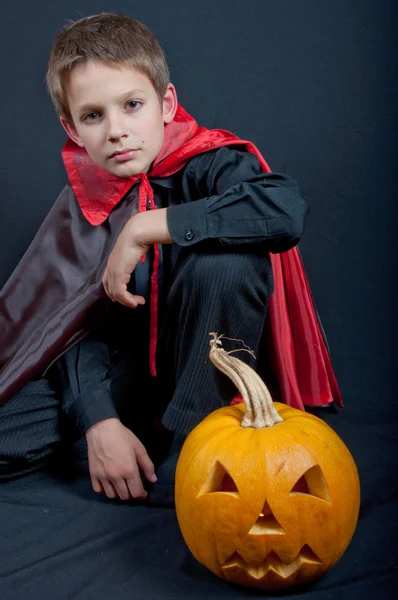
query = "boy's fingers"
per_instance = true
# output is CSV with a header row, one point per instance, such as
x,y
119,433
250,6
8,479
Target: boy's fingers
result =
x,y
128,299
121,489
116,289
109,489
139,300
107,286
97,485
105,279
134,483
136,488
146,464
120,294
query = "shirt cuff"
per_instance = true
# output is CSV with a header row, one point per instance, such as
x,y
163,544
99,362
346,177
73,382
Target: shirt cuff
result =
x,y
94,405
187,222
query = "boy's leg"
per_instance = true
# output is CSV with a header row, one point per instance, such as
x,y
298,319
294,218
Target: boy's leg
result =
x,y
211,290
29,429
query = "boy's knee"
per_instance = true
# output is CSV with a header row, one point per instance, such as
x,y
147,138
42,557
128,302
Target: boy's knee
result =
x,y
29,429
233,271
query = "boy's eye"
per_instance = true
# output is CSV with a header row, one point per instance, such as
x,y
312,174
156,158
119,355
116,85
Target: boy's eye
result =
x,y
134,104
91,117
94,116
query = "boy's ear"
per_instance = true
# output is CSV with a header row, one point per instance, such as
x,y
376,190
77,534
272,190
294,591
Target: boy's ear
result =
x,y
170,103
71,131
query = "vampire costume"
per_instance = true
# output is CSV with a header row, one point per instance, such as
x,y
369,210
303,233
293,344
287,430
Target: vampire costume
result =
x,y
55,297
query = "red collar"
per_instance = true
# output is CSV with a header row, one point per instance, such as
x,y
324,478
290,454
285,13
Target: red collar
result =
x,y
98,191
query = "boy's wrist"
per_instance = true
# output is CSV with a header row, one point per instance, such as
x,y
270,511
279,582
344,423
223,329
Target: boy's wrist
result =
x,y
100,425
150,227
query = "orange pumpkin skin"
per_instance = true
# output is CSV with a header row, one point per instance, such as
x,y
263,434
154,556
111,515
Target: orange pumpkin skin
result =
x,y
266,508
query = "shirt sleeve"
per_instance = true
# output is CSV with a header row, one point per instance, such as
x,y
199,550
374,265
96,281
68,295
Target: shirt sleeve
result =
x,y
235,202
86,394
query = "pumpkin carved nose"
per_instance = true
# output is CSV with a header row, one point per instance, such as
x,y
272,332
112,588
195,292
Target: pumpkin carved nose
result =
x,y
266,510
266,523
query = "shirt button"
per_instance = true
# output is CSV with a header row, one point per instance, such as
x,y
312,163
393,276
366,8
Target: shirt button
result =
x,y
189,235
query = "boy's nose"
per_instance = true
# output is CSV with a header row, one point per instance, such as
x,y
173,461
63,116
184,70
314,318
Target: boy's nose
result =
x,y
116,128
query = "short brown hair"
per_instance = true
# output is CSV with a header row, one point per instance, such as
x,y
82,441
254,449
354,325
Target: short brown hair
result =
x,y
109,38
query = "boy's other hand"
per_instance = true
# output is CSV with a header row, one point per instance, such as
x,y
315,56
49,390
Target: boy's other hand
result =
x,y
115,455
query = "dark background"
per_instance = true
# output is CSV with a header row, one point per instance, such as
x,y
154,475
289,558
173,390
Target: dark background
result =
x,y
313,84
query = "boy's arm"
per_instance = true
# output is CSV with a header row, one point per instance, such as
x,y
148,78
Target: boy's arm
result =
x,y
84,372
238,203
234,202
114,452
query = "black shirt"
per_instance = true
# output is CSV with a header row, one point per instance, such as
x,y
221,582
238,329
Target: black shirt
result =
x,y
222,194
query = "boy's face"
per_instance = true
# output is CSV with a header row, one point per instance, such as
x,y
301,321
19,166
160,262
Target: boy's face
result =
x,y
117,116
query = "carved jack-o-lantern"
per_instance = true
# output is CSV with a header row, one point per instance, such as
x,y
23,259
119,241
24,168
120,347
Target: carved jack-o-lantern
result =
x,y
266,495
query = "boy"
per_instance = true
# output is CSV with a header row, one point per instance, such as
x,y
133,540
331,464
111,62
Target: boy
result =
x,y
200,263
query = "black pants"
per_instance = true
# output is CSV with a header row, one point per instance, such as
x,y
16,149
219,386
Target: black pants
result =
x,y
210,290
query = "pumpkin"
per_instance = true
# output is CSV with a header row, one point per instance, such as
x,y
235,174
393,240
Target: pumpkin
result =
x,y
266,495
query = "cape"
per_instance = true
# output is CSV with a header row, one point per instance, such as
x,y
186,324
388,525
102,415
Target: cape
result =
x,y
55,297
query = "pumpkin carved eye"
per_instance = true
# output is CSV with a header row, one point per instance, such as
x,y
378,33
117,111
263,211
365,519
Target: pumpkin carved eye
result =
x,y
219,480
313,482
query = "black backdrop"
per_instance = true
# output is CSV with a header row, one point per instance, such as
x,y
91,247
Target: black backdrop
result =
x,y
313,84
310,82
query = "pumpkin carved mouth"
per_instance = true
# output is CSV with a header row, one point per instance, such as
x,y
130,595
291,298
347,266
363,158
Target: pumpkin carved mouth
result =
x,y
271,565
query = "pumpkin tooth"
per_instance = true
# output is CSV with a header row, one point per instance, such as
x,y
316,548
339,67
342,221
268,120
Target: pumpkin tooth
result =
x,y
272,564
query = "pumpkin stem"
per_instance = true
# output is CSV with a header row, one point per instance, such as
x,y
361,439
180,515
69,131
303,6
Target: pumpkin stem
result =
x,y
260,409
245,349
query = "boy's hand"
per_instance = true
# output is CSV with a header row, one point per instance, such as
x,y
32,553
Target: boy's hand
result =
x,y
140,232
123,259
115,455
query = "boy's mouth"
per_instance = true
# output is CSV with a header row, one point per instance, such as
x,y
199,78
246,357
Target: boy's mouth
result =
x,y
123,155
